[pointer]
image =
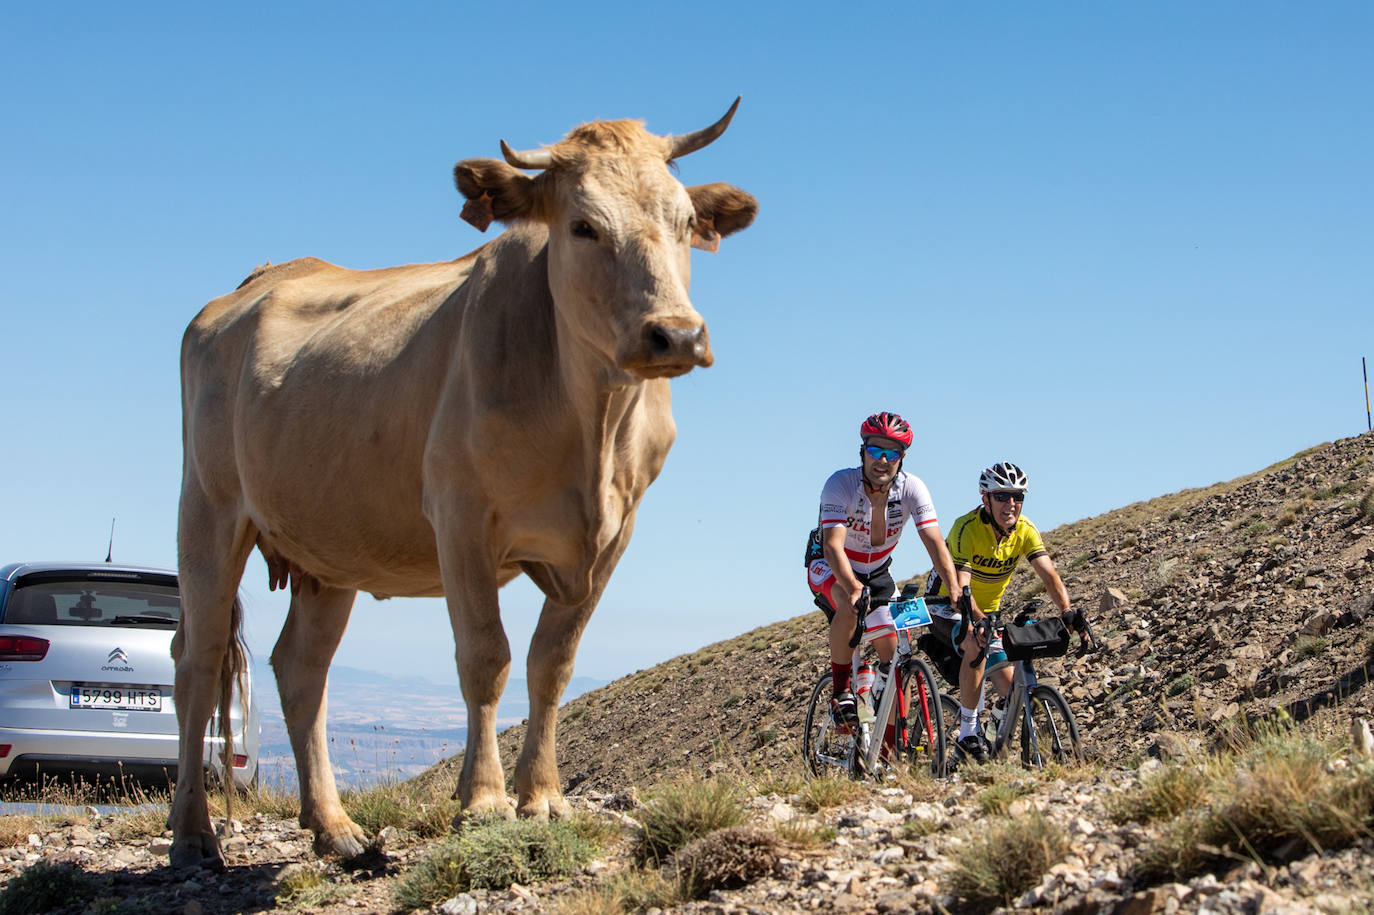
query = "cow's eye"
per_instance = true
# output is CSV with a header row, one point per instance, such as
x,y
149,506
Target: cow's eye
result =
x,y
583,229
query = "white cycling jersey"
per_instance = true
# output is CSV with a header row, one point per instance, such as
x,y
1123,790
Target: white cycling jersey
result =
x,y
845,501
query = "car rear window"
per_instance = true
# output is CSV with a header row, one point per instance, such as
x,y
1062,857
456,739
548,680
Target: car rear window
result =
x,y
93,603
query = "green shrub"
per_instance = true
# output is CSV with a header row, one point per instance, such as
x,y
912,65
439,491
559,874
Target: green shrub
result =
x,y
306,887
1180,684
43,887
493,854
1367,504
1006,858
678,812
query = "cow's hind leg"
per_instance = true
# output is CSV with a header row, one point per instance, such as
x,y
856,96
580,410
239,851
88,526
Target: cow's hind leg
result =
x,y
549,666
314,626
213,547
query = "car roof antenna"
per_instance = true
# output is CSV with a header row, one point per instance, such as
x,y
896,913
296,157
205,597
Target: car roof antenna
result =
x,y
109,554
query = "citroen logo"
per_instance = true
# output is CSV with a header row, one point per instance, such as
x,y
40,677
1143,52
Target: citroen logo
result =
x,y
117,655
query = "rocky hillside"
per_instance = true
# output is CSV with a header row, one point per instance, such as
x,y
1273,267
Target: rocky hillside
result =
x,y
1234,600
1240,601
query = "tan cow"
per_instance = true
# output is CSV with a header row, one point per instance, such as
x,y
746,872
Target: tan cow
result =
x,y
437,429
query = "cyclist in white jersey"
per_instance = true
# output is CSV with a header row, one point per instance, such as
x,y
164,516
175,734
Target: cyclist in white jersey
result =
x,y
864,510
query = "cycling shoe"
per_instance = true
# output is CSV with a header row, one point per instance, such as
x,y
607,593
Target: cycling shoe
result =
x,y
844,710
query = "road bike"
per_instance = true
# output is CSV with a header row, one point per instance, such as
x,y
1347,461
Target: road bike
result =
x,y
1035,720
904,692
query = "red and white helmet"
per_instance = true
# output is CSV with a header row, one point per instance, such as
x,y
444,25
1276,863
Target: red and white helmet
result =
x,y
887,425
1003,475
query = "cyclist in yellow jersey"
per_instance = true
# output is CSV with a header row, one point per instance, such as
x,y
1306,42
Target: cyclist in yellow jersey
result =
x,y
986,544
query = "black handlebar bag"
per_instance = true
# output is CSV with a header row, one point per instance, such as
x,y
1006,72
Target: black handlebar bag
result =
x,y
1047,638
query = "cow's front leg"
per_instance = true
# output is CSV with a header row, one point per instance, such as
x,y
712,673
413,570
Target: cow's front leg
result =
x,y
314,625
483,656
548,668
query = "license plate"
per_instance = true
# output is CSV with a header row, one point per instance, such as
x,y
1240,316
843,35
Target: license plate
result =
x,y
131,698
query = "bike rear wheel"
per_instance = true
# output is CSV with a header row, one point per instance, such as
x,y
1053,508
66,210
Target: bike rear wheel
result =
x,y
921,730
1054,737
826,752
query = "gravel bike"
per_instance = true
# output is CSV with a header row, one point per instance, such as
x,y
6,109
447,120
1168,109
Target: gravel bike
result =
x,y
1035,719
904,691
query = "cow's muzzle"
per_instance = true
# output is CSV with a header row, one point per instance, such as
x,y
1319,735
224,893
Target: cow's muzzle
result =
x,y
669,347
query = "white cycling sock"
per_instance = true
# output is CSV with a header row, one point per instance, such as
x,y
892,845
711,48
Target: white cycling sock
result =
x,y
968,722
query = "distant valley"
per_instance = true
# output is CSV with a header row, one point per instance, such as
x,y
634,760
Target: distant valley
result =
x,y
384,728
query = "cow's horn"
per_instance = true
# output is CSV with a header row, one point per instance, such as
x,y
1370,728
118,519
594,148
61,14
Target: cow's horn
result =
x,y
691,142
532,158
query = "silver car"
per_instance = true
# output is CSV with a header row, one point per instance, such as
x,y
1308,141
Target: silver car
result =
x,y
86,676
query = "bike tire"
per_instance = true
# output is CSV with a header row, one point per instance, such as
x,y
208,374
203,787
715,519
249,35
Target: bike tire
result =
x,y
824,751
1056,731
922,731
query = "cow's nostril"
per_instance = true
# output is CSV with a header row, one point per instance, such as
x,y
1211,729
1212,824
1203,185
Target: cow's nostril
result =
x,y
660,343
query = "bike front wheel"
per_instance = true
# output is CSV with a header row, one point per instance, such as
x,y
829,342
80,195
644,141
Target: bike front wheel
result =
x,y
826,752
1051,735
921,722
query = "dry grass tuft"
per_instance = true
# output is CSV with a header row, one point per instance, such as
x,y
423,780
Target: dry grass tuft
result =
x,y
1276,791
1161,795
1008,856
680,811
824,793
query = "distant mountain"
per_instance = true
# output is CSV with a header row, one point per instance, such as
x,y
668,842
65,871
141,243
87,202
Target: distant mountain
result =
x,y
383,727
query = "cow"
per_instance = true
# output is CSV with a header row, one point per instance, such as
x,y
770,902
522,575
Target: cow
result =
x,y
438,429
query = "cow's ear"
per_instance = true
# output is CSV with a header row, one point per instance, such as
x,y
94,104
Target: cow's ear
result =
x,y
494,190
721,209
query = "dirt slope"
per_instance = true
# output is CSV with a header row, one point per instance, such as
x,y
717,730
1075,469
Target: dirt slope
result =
x,y
1239,598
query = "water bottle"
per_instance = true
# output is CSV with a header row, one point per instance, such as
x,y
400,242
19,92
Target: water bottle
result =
x,y
863,689
863,682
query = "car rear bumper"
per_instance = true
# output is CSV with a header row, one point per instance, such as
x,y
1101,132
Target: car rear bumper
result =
x,y
150,757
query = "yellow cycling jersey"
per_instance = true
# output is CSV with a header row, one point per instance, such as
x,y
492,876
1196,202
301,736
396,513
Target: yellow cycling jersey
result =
x,y
973,545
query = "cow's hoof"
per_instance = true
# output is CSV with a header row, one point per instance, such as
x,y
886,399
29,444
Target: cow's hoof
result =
x,y
346,842
197,851
555,807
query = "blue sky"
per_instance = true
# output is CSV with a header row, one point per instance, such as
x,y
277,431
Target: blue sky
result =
x,y
1126,246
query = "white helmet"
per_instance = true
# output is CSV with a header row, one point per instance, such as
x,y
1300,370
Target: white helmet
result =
x,y
1003,475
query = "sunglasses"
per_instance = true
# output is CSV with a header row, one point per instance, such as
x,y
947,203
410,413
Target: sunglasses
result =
x,y
1004,496
883,454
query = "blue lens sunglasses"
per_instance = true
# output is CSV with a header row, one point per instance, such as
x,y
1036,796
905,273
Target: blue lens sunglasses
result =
x,y
883,454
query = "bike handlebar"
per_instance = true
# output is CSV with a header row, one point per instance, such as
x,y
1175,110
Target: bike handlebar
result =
x,y
860,611
966,617
1076,620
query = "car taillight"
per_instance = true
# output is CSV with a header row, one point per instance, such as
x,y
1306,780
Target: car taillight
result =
x,y
240,761
22,648
5,749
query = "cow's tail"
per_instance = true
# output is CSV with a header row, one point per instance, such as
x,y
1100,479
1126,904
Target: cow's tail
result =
x,y
232,673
